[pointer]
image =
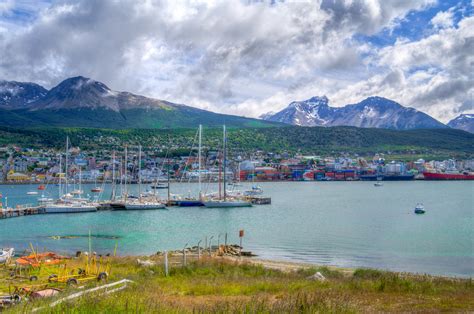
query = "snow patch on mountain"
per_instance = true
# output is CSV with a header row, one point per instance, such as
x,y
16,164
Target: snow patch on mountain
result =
x,y
373,112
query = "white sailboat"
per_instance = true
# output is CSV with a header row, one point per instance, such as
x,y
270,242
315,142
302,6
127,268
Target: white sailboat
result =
x,y
226,202
67,203
142,203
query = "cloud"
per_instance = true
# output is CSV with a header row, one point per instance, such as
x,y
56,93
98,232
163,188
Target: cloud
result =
x,y
239,57
443,19
434,74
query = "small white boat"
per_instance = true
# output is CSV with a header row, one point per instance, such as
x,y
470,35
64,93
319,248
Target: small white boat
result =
x,y
378,183
419,209
32,193
256,190
143,205
227,204
6,255
69,208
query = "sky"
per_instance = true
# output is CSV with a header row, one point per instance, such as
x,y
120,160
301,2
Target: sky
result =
x,y
249,57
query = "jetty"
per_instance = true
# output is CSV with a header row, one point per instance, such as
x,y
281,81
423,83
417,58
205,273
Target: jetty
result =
x,y
21,210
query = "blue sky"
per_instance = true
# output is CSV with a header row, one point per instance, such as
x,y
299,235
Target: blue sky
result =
x,y
248,58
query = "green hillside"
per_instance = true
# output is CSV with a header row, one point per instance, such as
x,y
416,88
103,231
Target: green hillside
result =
x,y
173,117
315,140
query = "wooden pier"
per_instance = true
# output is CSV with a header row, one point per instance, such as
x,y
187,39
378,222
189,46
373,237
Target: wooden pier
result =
x,y
19,211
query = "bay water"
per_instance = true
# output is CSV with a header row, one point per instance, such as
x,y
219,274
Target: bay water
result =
x,y
347,224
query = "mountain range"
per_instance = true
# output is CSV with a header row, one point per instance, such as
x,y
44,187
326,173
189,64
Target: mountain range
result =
x,y
83,102
463,122
373,112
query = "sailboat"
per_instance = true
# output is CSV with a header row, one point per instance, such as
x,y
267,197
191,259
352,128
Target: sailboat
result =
x,y
189,202
67,203
140,203
226,202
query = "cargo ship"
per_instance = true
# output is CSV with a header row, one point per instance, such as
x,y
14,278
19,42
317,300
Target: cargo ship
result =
x,y
448,176
387,177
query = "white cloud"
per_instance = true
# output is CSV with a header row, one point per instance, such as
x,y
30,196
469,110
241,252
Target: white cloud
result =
x,y
235,56
443,19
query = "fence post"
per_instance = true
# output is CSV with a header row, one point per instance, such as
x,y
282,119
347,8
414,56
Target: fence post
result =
x,y
205,244
166,263
225,243
199,249
184,254
210,245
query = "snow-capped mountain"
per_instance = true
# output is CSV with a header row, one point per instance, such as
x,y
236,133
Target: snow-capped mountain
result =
x,y
311,112
81,92
463,122
16,95
83,102
373,112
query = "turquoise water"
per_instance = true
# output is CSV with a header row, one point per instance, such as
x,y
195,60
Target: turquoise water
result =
x,y
349,224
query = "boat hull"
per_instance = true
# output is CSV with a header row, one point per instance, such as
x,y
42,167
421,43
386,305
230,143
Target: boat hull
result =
x,y
189,203
227,204
447,176
143,206
60,209
402,177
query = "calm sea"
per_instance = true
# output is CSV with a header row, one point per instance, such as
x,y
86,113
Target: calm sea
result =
x,y
349,224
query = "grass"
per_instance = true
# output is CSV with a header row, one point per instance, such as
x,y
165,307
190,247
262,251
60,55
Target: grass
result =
x,y
221,286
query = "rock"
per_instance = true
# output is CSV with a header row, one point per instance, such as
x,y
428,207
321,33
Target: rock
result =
x,y
318,277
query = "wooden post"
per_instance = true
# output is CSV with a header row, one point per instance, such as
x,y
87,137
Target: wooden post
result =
x,y
210,245
184,254
241,235
166,263
199,249
225,243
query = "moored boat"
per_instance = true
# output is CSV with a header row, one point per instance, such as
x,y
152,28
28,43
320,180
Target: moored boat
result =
x,y
62,208
144,206
227,203
189,203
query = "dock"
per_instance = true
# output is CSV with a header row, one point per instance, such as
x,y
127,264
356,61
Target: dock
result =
x,y
23,210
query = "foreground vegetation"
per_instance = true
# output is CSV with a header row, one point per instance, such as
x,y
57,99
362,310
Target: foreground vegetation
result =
x,y
440,143
220,286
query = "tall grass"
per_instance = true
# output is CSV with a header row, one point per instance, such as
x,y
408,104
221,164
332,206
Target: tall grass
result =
x,y
222,286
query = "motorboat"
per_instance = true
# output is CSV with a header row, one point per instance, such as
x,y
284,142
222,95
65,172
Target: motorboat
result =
x,y
419,209
96,189
256,190
378,183
32,193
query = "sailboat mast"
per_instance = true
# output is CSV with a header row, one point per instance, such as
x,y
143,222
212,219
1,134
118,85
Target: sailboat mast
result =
x,y
225,157
60,173
139,172
126,173
199,158
65,169
113,176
